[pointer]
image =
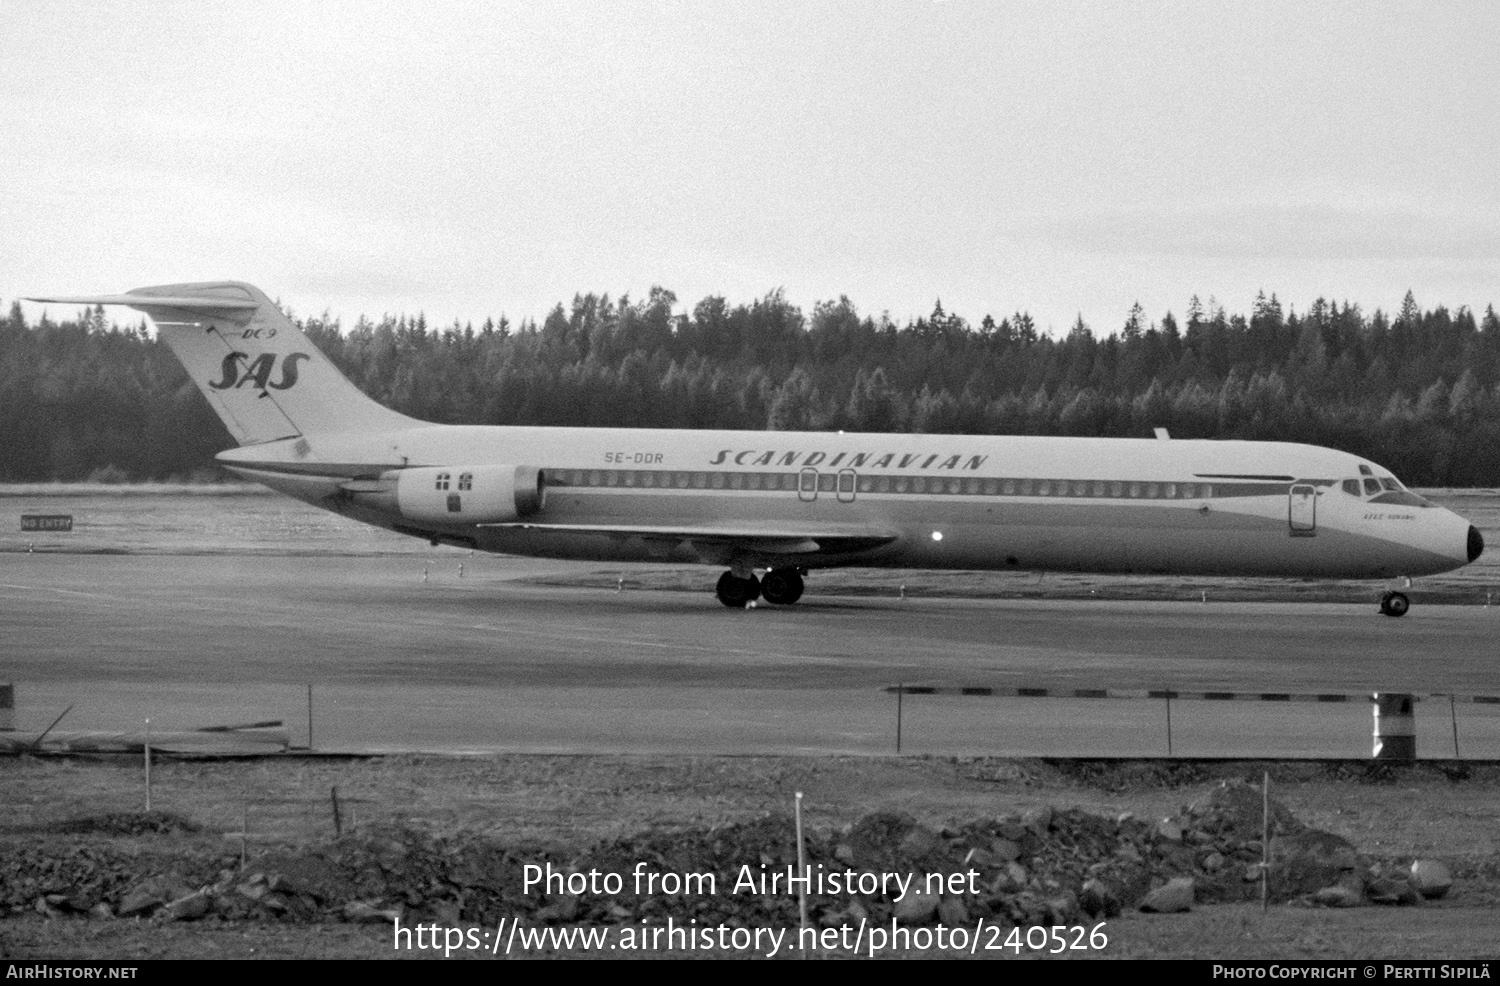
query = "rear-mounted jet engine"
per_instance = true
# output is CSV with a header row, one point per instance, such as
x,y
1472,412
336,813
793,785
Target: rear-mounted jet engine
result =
x,y
469,494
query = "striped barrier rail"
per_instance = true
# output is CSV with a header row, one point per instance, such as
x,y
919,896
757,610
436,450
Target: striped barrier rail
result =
x,y
1170,693
1395,734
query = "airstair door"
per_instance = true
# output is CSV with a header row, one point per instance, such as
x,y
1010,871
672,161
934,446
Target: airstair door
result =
x,y
1302,511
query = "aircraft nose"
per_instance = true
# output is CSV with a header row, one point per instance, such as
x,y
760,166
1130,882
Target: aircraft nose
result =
x,y
1476,543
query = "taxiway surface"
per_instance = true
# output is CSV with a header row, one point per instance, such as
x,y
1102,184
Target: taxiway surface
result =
x,y
487,661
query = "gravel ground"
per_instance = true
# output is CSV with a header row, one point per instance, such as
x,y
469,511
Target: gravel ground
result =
x,y
576,809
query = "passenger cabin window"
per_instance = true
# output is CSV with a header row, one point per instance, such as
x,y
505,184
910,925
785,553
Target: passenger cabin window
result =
x,y
466,481
442,481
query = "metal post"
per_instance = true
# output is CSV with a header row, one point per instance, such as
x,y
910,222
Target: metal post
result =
x,y
900,690
148,765
36,744
1395,727
1453,712
801,872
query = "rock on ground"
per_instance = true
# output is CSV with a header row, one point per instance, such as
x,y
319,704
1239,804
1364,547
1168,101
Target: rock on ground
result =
x,y
1172,897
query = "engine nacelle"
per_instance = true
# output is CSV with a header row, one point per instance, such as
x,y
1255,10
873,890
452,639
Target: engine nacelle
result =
x,y
470,494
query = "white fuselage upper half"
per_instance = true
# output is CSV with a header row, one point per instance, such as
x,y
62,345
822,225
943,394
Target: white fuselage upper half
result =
x,y
820,499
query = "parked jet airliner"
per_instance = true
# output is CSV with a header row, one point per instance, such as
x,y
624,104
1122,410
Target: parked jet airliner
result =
x,y
784,503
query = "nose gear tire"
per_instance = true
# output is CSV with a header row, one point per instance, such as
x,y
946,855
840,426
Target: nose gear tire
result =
x,y
1394,604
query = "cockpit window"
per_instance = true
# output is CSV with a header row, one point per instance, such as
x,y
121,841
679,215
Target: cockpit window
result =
x,y
1400,498
1351,486
1390,483
1372,486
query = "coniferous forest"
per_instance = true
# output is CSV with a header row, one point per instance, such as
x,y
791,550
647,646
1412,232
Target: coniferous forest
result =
x,y
1418,392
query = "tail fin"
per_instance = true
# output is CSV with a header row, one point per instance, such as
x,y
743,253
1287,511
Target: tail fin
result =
x,y
264,377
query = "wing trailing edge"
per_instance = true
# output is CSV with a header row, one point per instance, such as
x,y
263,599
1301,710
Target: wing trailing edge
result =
x,y
768,540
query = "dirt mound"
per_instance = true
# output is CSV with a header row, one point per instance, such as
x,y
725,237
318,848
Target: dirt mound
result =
x,y
1045,866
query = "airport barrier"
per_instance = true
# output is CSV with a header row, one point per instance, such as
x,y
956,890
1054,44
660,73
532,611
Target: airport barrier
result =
x,y
245,740
1171,693
1394,712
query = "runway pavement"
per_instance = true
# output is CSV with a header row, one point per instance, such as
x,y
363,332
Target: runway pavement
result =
x,y
490,662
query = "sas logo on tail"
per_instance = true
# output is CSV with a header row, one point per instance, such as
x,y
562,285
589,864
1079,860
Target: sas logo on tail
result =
x,y
258,372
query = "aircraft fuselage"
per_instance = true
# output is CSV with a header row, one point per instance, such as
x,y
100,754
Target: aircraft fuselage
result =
x,y
955,502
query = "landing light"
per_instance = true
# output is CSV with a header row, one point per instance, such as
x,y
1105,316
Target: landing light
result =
x,y
937,535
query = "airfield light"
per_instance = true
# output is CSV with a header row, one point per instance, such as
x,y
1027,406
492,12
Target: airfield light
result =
x,y
937,535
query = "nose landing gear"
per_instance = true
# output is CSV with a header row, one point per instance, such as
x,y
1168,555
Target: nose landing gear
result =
x,y
1394,604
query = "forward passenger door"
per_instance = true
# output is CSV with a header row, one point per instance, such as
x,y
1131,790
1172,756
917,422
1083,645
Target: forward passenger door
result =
x,y
1302,511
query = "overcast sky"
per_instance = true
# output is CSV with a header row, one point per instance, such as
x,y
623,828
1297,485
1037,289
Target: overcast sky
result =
x,y
469,159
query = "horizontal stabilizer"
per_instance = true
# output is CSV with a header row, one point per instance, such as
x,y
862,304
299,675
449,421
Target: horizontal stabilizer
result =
x,y
198,303
254,365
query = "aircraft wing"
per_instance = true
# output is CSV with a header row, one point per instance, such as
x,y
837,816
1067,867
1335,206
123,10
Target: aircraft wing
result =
x,y
761,540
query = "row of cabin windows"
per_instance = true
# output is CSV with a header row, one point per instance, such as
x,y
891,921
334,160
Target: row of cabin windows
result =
x,y
970,486
465,481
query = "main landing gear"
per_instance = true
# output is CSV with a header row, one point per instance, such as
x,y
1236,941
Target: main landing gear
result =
x,y
1394,604
735,592
782,586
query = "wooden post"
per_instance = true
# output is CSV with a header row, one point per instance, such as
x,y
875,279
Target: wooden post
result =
x,y
244,832
1169,722
309,718
338,821
1265,838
